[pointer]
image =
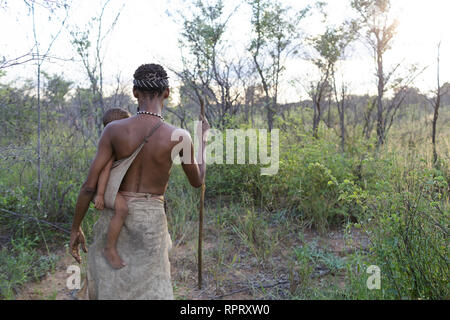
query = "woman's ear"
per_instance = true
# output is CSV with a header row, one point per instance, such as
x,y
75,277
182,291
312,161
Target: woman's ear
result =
x,y
135,93
166,93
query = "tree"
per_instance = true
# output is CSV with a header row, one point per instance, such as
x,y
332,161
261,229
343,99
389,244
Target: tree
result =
x,y
379,31
208,70
368,117
186,106
436,104
274,35
92,58
341,103
329,47
31,54
40,59
55,91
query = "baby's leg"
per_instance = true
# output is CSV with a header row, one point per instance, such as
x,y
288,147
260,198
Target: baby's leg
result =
x,y
117,221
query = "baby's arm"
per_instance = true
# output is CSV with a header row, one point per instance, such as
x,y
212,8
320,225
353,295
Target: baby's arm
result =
x,y
99,200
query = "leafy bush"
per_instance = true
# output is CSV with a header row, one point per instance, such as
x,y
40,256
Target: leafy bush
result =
x,y
318,184
409,239
315,182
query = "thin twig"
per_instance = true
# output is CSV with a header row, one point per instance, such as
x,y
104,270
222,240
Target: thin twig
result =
x,y
317,275
248,288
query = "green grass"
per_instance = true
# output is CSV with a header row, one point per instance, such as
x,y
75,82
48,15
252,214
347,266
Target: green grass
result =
x,y
20,263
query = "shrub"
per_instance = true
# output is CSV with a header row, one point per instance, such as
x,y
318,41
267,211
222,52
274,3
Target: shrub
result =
x,y
409,238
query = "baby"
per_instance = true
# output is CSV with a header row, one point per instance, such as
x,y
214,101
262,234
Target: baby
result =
x,y
120,204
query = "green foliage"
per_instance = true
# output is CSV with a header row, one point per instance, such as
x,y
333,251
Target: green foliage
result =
x,y
317,183
312,253
255,233
18,121
307,258
21,263
330,46
300,272
204,31
409,233
235,181
357,280
407,225
274,29
16,200
182,204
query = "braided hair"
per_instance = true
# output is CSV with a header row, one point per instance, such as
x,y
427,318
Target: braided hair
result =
x,y
114,114
151,78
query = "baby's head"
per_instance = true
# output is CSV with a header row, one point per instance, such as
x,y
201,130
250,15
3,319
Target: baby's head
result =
x,y
115,114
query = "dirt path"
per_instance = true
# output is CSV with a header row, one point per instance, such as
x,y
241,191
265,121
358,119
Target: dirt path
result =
x,y
242,277
53,285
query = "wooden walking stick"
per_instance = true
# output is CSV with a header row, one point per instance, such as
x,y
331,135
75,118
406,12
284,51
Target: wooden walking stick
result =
x,y
200,214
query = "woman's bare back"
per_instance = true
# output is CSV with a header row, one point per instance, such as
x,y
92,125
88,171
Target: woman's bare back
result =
x,y
149,172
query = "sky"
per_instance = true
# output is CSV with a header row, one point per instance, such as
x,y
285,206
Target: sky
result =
x,y
146,33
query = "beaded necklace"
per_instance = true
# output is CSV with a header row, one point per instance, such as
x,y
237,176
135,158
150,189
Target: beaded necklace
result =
x,y
151,114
